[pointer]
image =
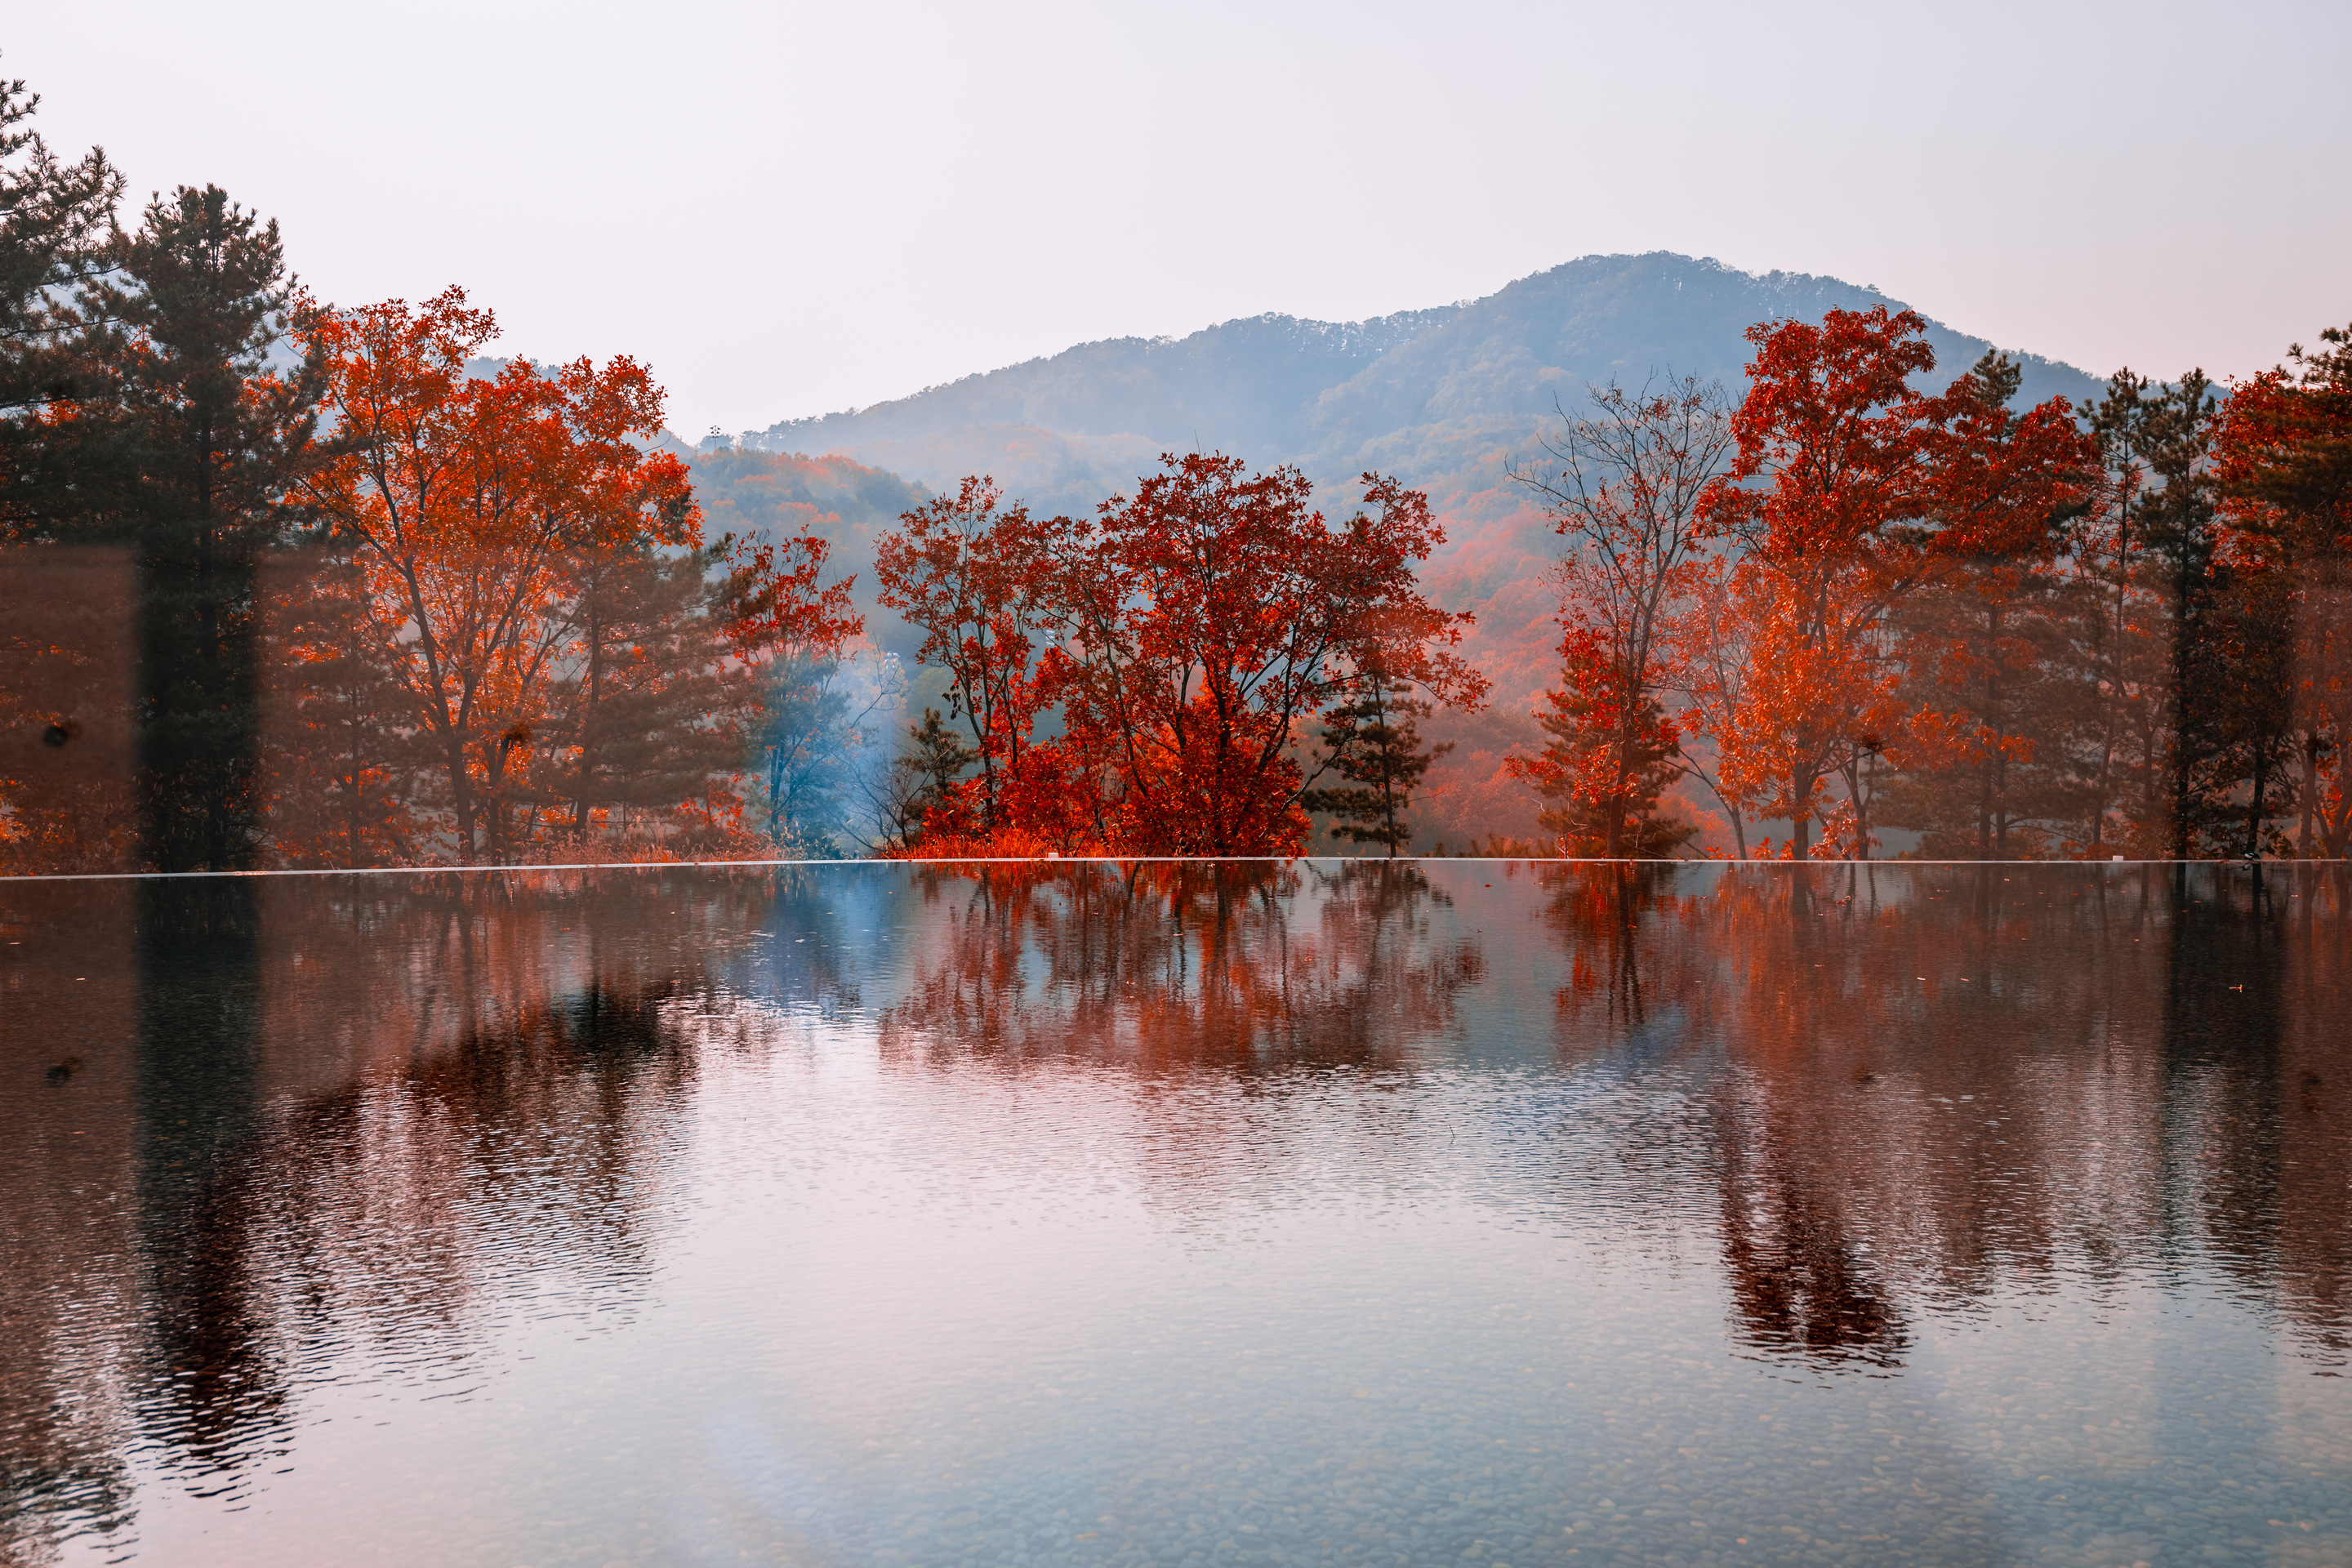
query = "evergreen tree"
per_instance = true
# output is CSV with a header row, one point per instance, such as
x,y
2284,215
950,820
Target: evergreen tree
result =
x,y
651,709
1987,643
2122,642
218,435
1604,766
937,760
57,223
1373,741
2251,718
339,768
2178,521
919,781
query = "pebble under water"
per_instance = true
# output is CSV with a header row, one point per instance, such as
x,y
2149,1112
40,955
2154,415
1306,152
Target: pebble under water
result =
x,y
1306,1212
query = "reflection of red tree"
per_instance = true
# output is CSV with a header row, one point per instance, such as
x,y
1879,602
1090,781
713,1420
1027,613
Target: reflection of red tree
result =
x,y
1175,964
1799,1285
1935,1083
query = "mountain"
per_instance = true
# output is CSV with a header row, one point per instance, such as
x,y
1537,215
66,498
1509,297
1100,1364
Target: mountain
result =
x,y
1406,393
1450,399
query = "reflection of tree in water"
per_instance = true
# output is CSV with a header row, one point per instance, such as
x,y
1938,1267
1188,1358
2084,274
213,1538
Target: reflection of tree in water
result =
x,y
1798,1285
1925,1081
510,1152
1181,964
1597,910
67,1230
199,1023
2256,1132
377,1217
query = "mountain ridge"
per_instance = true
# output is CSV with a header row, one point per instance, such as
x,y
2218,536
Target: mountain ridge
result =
x,y
1328,395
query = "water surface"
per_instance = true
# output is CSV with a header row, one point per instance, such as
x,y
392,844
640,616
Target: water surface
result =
x,y
1308,1212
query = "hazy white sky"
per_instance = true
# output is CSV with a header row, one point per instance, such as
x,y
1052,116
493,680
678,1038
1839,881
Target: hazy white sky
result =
x,y
787,209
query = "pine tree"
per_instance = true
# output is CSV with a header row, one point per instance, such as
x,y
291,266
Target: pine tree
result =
x,y
2122,642
922,779
651,709
56,225
1373,741
2178,521
338,767
1604,762
1985,643
219,436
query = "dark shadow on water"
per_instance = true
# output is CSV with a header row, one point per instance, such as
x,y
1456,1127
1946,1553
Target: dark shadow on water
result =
x,y
213,1380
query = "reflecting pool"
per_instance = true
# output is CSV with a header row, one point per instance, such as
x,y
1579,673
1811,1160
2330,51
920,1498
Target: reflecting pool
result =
x,y
1275,1212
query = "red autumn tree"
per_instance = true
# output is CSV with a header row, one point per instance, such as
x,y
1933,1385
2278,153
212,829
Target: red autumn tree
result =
x,y
1850,490
981,580
1211,617
462,500
1984,637
1625,493
2282,466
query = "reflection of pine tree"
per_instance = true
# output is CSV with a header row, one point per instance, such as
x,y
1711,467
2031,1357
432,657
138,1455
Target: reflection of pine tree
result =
x,y
1373,741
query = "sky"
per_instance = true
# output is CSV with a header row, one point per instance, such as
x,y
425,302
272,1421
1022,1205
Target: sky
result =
x,y
789,209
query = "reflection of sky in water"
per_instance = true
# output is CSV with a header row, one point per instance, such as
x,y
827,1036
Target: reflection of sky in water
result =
x,y
858,1215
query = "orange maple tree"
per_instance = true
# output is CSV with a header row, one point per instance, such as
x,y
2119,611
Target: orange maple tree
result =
x,y
462,499
1852,489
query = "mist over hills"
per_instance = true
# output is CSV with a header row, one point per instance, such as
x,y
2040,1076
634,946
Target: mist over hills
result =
x,y
1449,399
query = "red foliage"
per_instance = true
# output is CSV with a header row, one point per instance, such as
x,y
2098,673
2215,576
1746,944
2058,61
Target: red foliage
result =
x,y
1214,615
981,581
1187,636
1873,489
465,503
775,603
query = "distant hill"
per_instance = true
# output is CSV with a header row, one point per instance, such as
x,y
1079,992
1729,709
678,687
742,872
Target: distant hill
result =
x,y
1407,393
839,499
1449,399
